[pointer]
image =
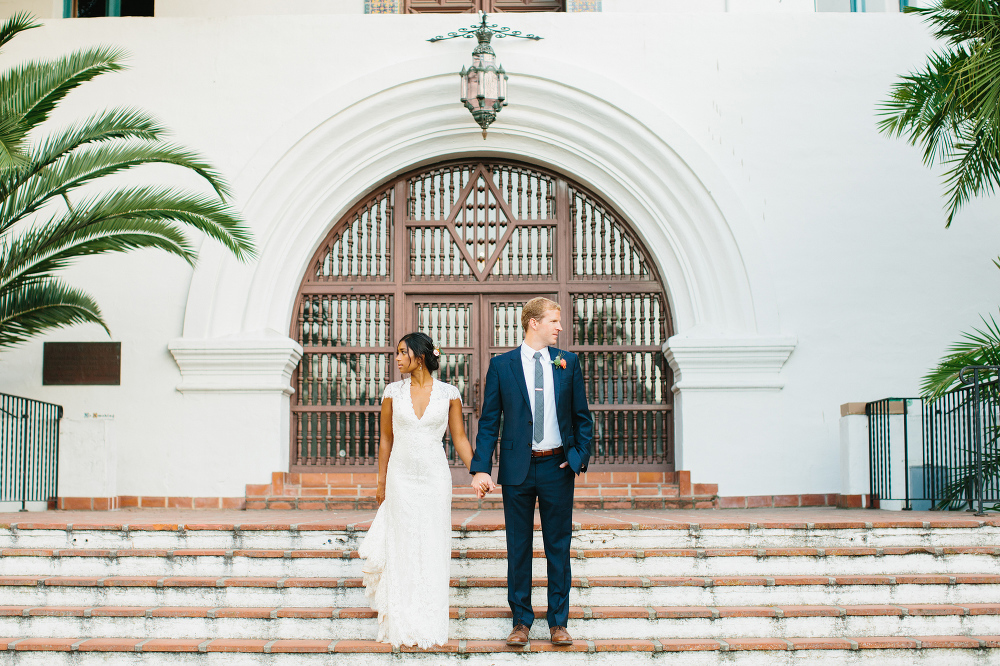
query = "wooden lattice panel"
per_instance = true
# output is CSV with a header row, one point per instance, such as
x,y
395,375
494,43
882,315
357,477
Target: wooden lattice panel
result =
x,y
602,246
455,250
361,249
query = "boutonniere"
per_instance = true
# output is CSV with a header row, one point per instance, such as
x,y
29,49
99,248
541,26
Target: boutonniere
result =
x,y
559,362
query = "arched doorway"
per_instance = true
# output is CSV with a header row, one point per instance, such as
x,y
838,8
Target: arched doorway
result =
x,y
455,250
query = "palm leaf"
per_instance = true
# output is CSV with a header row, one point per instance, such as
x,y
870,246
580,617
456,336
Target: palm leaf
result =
x,y
208,215
88,163
952,106
974,170
981,346
37,180
18,22
29,92
959,488
126,220
12,133
48,248
12,137
39,306
921,108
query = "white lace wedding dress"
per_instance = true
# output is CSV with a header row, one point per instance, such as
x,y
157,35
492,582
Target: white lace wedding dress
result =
x,y
407,551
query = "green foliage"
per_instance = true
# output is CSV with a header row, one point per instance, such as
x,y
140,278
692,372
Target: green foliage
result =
x,y
46,223
980,347
951,107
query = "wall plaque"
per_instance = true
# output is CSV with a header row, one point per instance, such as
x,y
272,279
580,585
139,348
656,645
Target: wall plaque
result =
x,y
82,363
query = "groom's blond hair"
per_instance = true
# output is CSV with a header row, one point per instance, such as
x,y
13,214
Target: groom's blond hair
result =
x,y
536,309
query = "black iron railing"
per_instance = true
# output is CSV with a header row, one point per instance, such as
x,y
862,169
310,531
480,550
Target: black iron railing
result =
x,y
880,449
29,450
952,459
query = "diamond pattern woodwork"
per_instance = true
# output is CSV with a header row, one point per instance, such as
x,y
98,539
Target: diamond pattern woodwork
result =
x,y
455,250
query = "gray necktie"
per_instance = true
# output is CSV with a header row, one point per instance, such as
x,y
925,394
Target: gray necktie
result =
x,y
539,430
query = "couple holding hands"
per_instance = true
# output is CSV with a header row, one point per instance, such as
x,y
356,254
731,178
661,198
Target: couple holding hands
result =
x,y
544,443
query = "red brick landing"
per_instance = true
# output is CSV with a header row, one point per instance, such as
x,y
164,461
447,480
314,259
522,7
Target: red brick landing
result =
x,y
356,491
594,490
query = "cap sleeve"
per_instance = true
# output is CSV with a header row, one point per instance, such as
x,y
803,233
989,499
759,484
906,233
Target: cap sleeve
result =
x,y
390,391
454,393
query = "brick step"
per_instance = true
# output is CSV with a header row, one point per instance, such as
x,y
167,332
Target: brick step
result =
x,y
594,490
369,479
493,562
641,531
493,623
669,489
586,496
213,591
861,649
366,501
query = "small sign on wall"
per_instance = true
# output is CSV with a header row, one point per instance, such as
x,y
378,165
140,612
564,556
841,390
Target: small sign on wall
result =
x,y
82,363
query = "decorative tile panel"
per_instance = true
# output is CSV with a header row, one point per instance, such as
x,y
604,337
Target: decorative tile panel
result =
x,y
381,6
583,5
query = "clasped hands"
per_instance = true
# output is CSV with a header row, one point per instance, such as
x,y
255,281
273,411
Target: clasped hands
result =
x,y
483,484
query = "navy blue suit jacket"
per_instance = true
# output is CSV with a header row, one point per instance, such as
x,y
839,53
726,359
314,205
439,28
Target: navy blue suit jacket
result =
x,y
506,393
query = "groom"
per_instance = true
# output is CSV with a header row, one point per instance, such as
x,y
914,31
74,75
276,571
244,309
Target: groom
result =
x,y
547,428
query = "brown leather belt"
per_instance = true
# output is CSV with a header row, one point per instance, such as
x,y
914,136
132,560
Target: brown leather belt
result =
x,y
548,452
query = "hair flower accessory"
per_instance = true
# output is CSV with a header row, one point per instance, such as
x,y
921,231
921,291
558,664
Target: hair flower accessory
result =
x,y
559,362
437,351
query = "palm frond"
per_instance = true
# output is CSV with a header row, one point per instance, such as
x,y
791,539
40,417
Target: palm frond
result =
x,y
29,92
34,177
922,108
121,123
952,106
958,21
12,145
208,215
12,132
975,168
90,162
18,22
977,80
959,488
981,346
43,249
39,306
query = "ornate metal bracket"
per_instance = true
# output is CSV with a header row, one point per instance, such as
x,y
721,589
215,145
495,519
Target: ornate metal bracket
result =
x,y
497,31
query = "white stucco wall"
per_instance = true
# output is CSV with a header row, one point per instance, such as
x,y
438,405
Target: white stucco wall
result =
x,y
743,146
43,9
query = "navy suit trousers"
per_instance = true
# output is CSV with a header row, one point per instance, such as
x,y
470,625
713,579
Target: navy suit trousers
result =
x,y
553,487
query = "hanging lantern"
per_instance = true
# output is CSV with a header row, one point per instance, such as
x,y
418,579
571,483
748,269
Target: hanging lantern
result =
x,y
484,83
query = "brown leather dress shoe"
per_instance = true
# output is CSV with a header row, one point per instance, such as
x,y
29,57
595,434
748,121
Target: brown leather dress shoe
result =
x,y
560,636
518,637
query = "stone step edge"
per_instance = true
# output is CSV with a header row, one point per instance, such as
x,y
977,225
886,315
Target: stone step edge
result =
x,y
643,502
483,646
465,492
258,491
466,525
582,613
486,554
489,582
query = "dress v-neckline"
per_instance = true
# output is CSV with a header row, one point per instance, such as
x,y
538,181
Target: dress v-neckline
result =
x,y
409,392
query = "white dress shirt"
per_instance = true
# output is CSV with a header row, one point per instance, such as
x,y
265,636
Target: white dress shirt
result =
x,y
551,438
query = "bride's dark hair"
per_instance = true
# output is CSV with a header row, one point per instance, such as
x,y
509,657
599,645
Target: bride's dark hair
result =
x,y
422,347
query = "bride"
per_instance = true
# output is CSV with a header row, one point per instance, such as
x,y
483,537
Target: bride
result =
x,y
407,550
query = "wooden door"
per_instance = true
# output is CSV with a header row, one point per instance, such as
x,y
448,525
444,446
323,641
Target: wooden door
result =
x,y
455,250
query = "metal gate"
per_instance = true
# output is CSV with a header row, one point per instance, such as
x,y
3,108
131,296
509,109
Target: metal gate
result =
x,y
455,251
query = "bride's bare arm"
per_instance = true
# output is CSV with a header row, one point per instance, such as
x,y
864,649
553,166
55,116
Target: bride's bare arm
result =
x,y
384,448
456,424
